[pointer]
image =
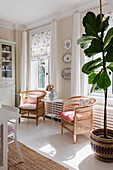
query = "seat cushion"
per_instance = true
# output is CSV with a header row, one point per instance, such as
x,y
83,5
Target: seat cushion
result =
x,y
28,106
10,130
69,116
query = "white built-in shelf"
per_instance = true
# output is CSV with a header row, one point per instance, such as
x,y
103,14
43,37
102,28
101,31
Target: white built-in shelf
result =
x,y
7,61
6,70
9,52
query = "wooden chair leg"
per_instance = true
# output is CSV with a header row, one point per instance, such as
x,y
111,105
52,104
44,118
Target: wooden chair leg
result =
x,y
36,121
44,117
19,120
36,117
74,132
19,117
74,138
61,126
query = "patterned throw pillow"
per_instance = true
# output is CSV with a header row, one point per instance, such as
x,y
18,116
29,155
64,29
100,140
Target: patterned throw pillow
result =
x,y
85,102
32,99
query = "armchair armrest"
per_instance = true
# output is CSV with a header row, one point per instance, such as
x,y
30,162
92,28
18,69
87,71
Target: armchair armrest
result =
x,y
85,110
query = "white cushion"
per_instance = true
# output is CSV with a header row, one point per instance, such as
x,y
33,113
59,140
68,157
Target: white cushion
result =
x,y
28,106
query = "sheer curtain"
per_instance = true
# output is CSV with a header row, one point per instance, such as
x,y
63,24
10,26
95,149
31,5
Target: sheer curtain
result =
x,y
75,64
54,54
24,62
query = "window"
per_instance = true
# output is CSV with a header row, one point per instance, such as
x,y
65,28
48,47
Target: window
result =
x,y
40,52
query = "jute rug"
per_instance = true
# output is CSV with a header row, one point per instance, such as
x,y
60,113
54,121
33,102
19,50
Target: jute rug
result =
x,y
32,160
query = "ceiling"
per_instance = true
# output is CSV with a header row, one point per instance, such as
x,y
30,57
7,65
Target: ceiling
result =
x,y
26,12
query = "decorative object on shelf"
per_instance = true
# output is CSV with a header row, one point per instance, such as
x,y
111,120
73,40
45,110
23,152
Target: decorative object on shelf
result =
x,y
97,34
7,48
52,94
67,44
66,58
66,73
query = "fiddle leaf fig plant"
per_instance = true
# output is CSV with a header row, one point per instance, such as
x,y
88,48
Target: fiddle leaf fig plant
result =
x,y
98,39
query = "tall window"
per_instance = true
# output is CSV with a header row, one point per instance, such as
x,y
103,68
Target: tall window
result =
x,y
40,43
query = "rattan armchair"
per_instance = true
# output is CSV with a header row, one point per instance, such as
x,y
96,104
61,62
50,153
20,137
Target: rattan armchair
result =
x,y
82,121
30,104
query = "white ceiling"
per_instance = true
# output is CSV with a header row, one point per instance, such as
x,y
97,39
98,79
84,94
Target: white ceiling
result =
x,y
25,12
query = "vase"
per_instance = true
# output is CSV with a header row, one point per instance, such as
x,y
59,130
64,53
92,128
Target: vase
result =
x,y
52,94
102,147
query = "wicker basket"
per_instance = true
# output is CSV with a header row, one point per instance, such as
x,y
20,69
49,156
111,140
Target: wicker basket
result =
x,y
102,148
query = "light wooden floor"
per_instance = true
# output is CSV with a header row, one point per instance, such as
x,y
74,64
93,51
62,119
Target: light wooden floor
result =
x,y
47,140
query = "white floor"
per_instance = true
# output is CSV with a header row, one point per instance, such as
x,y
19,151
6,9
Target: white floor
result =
x,y
47,140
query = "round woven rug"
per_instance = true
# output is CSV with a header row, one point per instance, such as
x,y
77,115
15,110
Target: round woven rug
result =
x,y
32,160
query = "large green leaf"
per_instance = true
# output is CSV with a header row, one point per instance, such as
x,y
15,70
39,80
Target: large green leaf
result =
x,y
104,81
98,21
92,88
90,66
108,36
90,31
105,24
97,77
110,67
89,22
91,78
84,41
95,47
109,46
109,56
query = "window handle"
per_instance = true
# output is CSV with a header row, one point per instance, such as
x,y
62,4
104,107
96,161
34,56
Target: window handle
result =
x,y
46,74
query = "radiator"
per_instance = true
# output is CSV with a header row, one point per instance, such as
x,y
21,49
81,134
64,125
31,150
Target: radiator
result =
x,y
98,116
16,100
53,109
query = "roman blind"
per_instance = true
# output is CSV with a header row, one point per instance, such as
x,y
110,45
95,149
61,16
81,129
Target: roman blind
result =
x,y
41,45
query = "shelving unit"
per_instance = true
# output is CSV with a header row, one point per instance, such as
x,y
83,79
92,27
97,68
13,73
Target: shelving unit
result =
x,y
7,72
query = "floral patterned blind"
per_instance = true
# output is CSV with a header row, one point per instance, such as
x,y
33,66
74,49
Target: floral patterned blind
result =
x,y
41,44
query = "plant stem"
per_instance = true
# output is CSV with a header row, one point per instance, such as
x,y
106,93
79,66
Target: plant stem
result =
x,y
104,68
105,114
101,12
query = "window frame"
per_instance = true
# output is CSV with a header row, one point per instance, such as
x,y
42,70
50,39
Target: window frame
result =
x,y
36,31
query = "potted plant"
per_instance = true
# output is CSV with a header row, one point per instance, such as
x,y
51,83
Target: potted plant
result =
x,y
99,39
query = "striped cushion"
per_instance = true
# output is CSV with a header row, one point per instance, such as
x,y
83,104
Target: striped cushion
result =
x,y
69,116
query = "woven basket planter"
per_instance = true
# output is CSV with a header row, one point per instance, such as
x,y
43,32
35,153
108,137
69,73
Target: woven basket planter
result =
x,y
102,148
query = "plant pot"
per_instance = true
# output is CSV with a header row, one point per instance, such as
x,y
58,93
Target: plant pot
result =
x,y
102,147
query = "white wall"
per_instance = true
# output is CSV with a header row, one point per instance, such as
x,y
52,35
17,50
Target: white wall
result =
x,y
65,31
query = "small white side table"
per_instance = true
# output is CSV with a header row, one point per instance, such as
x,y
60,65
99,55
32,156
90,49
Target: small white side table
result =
x,y
53,115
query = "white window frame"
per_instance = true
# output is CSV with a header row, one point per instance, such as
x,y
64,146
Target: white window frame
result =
x,y
35,31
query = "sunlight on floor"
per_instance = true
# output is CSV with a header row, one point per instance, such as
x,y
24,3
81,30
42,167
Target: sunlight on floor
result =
x,y
79,157
49,150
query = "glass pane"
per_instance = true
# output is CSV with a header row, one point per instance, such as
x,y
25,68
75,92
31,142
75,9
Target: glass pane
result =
x,y
6,61
41,74
98,90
